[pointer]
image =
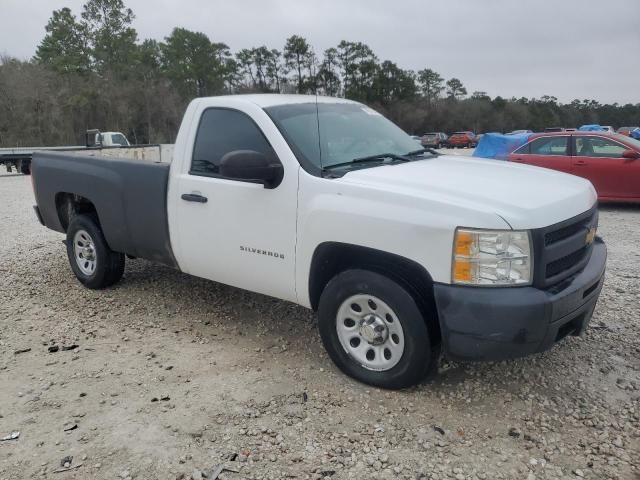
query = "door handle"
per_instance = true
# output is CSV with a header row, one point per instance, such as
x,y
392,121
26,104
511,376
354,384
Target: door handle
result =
x,y
580,162
194,197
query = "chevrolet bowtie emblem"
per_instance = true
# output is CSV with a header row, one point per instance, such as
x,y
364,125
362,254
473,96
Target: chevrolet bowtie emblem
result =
x,y
591,235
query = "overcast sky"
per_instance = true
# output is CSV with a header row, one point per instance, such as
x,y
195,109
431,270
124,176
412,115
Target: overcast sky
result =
x,y
567,48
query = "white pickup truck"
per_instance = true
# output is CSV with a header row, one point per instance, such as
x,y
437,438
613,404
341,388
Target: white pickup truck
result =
x,y
323,202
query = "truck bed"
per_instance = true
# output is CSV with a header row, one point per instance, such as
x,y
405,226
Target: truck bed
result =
x,y
129,196
150,153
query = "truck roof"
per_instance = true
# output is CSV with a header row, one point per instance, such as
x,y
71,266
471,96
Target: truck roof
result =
x,y
266,100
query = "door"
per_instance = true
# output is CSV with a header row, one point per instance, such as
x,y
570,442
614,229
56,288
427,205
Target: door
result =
x,y
548,152
235,232
599,159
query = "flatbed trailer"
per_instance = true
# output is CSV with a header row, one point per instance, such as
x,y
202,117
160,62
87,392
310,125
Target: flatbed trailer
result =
x,y
20,158
97,143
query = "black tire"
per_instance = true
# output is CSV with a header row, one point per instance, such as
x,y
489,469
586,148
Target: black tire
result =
x,y
109,265
418,358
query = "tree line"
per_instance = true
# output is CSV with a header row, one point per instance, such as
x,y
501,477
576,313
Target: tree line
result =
x,y
93,71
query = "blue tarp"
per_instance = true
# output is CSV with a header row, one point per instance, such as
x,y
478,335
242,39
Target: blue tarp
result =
x,y
635,133
591,128
499,146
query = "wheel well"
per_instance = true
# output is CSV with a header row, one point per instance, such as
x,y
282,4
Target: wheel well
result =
x,y
70,205
332,258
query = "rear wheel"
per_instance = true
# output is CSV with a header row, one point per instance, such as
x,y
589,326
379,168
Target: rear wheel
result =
x,y
95,265
373,330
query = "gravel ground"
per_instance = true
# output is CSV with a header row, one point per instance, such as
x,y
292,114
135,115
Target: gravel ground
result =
x,y
172,377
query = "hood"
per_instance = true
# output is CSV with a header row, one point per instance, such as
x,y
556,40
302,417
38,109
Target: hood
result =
x,y
524,196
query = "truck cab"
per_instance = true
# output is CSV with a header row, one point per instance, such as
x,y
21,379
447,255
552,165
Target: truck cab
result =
x,y
113,139
96,138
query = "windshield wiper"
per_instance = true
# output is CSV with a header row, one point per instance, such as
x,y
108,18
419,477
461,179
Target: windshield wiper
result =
x,y
379,157
422,150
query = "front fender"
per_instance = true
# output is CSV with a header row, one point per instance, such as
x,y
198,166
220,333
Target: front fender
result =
x,y
414,228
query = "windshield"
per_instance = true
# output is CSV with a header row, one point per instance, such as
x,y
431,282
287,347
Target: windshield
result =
x,y
327,134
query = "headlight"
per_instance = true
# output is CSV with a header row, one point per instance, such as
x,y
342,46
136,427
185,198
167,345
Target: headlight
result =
x,y
492,257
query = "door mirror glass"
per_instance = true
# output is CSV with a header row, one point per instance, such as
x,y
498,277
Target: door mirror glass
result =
x,y
251,166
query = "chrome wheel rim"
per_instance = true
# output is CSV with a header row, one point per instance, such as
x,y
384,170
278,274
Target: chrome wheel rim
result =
x,y
370,332
84,251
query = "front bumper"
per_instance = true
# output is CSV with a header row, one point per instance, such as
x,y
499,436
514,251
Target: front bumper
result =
x,y
499,323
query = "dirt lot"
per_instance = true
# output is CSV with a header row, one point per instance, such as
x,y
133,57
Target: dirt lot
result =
x,y
174,376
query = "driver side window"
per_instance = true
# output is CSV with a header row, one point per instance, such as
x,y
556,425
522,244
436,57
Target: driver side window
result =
x,y
222,131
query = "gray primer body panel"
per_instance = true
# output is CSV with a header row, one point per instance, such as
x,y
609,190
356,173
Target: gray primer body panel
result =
x,y
130,197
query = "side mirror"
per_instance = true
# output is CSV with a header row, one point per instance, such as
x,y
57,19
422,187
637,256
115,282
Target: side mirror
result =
x,y
252,167
630,154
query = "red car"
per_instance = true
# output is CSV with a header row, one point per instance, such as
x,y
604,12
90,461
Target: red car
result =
x,y
463,140
609,160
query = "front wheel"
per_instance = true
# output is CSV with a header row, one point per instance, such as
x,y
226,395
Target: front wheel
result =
x,y
94,264
374,331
